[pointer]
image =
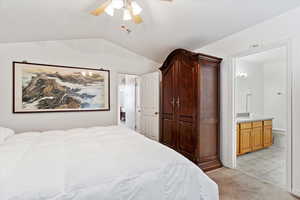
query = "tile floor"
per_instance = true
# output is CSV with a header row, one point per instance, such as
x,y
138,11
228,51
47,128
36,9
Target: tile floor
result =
x,y
266,164
236,185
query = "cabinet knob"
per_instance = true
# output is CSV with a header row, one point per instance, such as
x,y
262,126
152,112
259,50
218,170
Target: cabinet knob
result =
x,y
156,113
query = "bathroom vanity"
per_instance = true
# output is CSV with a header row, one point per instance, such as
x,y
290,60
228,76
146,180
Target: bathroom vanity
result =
x,y
253,133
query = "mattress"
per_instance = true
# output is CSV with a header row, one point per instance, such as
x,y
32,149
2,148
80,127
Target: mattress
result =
x,y
98,163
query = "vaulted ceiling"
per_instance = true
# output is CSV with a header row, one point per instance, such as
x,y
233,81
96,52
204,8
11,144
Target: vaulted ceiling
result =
x,y
182,24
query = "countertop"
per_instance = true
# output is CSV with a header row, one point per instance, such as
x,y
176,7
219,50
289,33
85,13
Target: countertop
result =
x,y
253,118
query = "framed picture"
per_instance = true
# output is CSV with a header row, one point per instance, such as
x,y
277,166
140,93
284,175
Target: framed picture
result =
x,y
53,88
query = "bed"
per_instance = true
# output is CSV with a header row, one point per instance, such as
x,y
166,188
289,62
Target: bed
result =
x,y
98,163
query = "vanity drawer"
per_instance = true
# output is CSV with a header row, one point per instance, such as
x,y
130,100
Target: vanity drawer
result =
x,y
246,125
268,123
257,124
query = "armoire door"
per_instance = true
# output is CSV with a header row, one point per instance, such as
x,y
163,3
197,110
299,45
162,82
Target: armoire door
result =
x,y
186,108
168,132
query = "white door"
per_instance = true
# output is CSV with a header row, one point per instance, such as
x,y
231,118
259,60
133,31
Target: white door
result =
x,y
149,105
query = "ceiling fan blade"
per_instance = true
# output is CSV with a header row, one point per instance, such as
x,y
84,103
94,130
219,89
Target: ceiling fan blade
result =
x,y
137,19
101,9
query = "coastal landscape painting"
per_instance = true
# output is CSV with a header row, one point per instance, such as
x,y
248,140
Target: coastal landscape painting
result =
x,y
52,88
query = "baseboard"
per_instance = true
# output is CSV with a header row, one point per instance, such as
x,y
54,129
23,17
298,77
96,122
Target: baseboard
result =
x,y
227,164
296,192
210,165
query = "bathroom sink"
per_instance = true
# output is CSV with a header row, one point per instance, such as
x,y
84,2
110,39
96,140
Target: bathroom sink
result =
x,y
251,117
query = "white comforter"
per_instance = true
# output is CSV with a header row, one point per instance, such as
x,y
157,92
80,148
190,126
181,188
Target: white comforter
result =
x,y
99,163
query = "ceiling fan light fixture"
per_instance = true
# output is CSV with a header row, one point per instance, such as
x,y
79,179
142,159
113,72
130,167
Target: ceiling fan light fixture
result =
x,y
136,9
126,15
130,9
117,4
109,10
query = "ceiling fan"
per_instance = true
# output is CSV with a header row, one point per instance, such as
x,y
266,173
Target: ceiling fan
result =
x,y
131,9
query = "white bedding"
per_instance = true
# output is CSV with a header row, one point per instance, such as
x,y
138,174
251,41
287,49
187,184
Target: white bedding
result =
x,y
99,163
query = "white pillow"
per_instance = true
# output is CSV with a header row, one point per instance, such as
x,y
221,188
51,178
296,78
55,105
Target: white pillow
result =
x,y
5,133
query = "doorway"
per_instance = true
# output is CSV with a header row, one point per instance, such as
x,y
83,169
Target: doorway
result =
x,y
262,115
138,103
128,99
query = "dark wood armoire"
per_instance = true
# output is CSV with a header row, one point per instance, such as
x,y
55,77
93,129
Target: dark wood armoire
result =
x,y
190,114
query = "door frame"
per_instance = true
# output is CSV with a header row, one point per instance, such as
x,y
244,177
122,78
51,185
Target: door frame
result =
x,y
231,158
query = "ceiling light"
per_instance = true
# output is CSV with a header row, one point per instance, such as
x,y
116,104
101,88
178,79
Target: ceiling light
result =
x,y
243,75
136,9
130,8
126,15
117,4
109,10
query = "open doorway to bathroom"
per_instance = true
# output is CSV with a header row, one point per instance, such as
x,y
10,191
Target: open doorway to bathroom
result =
x,y
261,113
128,100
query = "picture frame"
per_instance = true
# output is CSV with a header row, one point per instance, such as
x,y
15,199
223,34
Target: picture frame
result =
x,y
45,88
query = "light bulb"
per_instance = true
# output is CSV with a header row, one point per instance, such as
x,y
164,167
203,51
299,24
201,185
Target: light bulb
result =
x,y
109,10
242,75
126,15
117,4
136,9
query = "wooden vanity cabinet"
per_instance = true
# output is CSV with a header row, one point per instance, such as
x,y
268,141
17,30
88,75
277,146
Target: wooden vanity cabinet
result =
x,y
268,136
238,139
257,136
252,136
245,140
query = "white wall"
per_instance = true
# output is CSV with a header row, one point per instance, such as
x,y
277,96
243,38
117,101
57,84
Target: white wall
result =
x,y
252,84
93,53
265,80
275,93
286,26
